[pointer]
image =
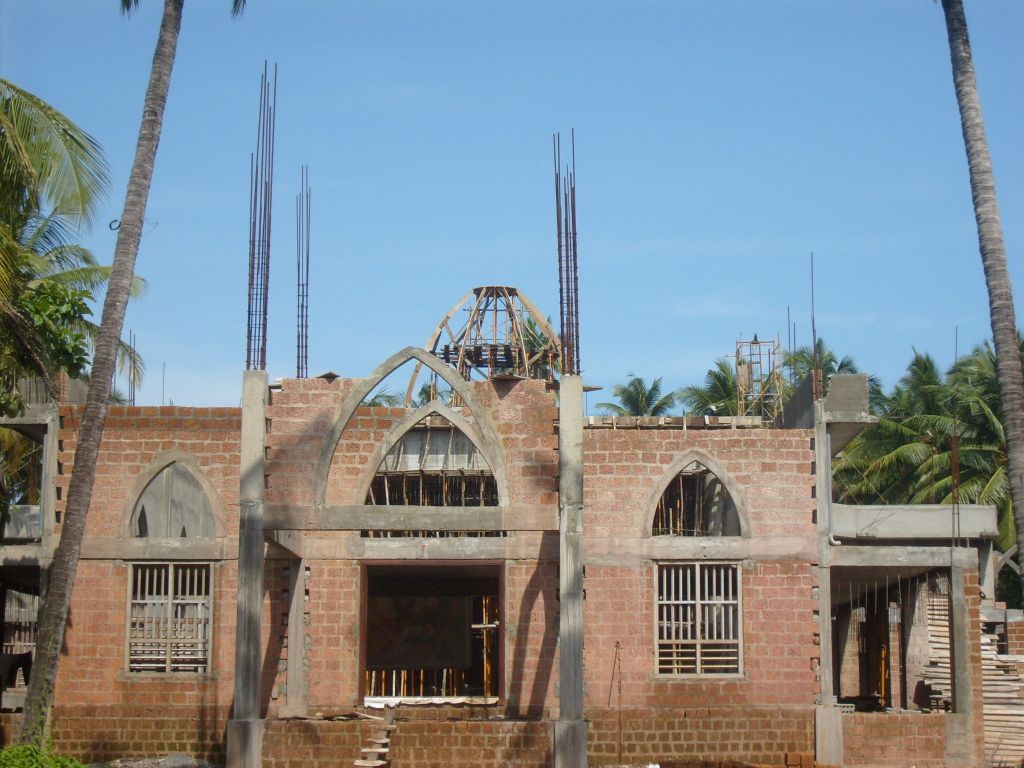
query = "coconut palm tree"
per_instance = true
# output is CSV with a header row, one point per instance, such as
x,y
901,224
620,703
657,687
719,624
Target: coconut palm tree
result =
x,y
718,396
993,252
637,399
908,456
65,563
52,174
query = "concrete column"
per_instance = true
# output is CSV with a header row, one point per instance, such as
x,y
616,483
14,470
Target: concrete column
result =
x,y
570,729
987,555
828,729
963,723
48,489
245,729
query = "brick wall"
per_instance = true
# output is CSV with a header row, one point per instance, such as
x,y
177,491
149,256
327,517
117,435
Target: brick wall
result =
x,y
333,631
99,733
780,651
1015,638
134,438
656,734
899,740
771,470
101,711
531,636
425,738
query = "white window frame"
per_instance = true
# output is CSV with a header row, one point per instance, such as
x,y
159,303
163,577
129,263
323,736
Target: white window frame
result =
x,y
698,647
170,633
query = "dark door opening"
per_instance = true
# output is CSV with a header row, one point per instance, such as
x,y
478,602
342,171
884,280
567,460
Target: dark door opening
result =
x,y
432,631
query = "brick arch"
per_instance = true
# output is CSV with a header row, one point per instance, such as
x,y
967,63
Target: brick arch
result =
x,y
149,474
344,413
490,451
688,456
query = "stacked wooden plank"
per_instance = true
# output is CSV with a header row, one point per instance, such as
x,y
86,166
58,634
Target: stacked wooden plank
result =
x,y
1002,687
1003,702
376,755
937,673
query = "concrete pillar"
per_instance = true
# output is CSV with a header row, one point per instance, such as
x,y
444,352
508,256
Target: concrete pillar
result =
x,y
570,729
828,728
987,556
963,724
245,729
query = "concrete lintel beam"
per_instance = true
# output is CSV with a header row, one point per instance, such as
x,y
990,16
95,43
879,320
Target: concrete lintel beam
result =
x,y
635,553
114,548
292,542
925,557
533,546
394,518
912,521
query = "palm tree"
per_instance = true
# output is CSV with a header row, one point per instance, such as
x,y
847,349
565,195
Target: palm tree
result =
x,y
52,174
908,456
801,362
993,253
65,563
718,396
637,399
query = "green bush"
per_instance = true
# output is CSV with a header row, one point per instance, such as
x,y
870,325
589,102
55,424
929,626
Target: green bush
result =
x,y
31,756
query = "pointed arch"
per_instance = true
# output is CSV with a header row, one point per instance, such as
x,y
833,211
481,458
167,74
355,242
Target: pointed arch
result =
x,y
684,460
345,411
145,480
489,451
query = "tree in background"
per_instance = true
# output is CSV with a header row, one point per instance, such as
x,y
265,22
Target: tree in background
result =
x,y
637,399
52,175
52,623
993,254
719,395
907,458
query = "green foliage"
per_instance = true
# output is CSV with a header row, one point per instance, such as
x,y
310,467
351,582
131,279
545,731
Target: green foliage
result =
x,y
637,399
908,457
41,338
32,756
718,395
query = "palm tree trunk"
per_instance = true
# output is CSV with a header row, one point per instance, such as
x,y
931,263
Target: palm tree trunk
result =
x,y
65,563
993,256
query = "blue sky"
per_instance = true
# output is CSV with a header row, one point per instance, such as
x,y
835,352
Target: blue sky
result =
x,y
718,145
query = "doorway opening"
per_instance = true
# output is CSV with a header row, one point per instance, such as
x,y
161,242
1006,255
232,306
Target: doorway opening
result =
x,y
432,632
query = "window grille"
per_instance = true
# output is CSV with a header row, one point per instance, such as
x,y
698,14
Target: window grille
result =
x,y
170,609
699,619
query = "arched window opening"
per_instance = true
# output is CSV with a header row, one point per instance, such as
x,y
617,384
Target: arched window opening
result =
x,y
170,603
434,465
696,503
174,505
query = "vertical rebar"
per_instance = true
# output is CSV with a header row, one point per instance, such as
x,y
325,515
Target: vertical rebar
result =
x,y
261,193
567,249
302,229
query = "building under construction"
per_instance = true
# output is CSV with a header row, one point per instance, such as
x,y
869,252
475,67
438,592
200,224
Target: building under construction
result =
x,y
504,579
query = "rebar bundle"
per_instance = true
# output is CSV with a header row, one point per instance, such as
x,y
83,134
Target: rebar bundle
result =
x,y
302,209
568,272
261,178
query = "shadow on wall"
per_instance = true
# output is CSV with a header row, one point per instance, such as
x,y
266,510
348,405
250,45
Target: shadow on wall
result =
x,y
533,706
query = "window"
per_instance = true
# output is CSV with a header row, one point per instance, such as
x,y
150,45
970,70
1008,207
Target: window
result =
x,y
173,506
696,503
169,624
699,619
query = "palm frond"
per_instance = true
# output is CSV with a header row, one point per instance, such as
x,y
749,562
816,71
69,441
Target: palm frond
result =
x,y
69,171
